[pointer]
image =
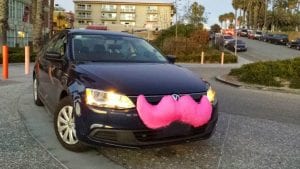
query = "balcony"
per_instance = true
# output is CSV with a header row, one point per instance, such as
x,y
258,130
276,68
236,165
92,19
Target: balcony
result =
x,y
106,18
127,19
152,19
127,10
152,11
83,8
108,10
87,17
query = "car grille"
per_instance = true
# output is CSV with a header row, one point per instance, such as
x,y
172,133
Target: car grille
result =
x,y
173,131
154,100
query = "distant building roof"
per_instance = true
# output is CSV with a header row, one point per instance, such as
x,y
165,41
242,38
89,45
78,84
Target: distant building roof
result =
x,y
130,1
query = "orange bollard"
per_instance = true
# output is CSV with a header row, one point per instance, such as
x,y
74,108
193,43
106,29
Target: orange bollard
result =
x,y
27,60
5,62
222,58
202,58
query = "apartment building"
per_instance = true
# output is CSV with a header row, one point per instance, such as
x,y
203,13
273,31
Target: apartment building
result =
x,y
123,14
19,33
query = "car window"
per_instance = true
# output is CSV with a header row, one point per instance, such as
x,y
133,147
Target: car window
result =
x,y
113,48
57,44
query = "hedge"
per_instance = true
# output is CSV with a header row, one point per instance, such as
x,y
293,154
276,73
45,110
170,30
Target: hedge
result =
x,y
17,55
271,73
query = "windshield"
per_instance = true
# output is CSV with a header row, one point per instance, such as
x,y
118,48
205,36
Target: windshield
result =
x,y
113,48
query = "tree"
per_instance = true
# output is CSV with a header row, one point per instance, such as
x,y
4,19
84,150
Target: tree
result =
x,y
3,22
195,14
221,19
38,26
51,17
215,28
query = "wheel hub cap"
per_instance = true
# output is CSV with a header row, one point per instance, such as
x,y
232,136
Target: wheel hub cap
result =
x,y
66,125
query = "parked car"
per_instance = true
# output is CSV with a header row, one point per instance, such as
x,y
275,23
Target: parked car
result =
x,y
279,39
258,35
243,33
241,45
226,39
294,44
266,37
103,88
251,34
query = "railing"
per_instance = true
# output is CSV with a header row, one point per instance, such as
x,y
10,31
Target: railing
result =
x,y
84,16
109,9
84,8
108,18
128,10
152,11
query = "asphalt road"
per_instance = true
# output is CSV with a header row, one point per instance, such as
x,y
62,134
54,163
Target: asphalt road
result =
x,y
256,129
262,51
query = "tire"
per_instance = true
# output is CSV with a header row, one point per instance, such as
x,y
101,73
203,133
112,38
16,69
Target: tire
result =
x,y
36,97
64,119
298,47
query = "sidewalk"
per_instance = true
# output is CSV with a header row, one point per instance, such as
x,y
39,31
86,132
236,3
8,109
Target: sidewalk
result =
x,y
241,61
17,148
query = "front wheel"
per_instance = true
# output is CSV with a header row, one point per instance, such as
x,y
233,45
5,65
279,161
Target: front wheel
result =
x,y
64,125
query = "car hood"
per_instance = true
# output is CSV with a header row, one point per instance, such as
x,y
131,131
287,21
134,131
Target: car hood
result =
x,y
142,78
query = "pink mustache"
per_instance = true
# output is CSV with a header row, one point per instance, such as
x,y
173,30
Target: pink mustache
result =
x,y
169,110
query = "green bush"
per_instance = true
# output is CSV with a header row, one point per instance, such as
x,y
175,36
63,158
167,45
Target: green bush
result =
x,y
271,73
17,55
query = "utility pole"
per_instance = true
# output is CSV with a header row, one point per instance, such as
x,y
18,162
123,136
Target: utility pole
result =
x,y
235,33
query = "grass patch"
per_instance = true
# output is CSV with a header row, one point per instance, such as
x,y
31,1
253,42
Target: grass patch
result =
x,y
285,73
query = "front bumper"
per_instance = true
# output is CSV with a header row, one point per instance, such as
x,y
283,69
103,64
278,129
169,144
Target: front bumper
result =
x,y
126,129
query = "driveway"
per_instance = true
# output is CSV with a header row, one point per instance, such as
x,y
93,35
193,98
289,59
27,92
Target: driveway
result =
x,y
262,51
256,129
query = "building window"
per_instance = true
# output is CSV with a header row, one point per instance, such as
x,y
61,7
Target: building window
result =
x,y
81,21
109,16
152,9
127,8
84,7
84,15
127,17
109,8
152,17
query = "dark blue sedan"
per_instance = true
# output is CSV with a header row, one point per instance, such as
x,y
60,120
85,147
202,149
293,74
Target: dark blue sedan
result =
x,y
91,81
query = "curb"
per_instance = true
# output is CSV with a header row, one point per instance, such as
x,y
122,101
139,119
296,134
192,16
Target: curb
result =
x,y
257,87
220,79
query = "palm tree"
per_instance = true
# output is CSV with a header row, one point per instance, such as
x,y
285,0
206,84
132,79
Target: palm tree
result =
x,y
221,19
51,18
38,26
3,22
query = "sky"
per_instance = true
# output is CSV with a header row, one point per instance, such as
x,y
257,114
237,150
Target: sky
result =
x,y
213,8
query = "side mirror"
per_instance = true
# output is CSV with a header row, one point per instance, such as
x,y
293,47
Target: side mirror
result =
x,y
53,56
171,58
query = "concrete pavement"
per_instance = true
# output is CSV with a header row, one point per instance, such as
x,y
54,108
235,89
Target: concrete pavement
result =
x,y
256,129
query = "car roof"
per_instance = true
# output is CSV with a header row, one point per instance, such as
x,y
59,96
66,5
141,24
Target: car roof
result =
x,y
98,32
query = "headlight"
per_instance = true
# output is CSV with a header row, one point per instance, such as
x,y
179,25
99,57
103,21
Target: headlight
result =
x,y
107,99
211,95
